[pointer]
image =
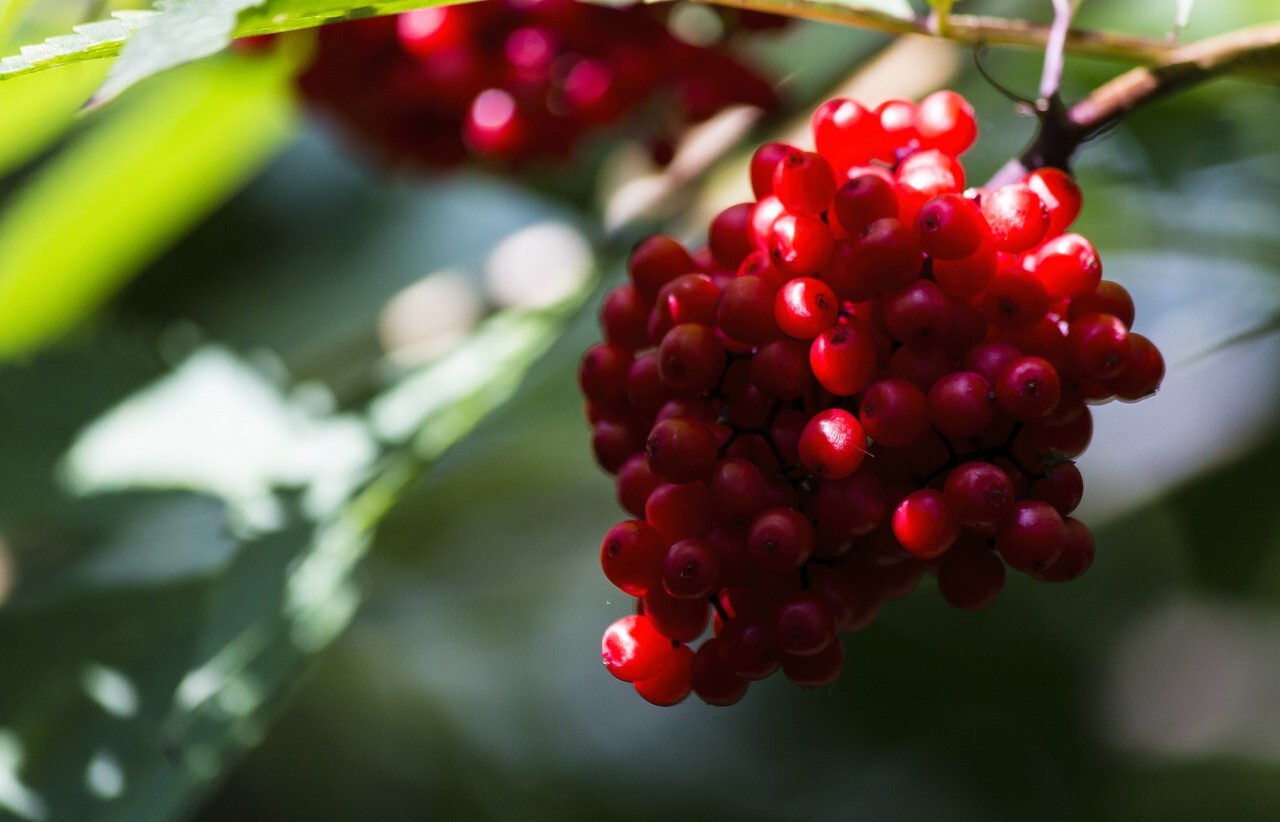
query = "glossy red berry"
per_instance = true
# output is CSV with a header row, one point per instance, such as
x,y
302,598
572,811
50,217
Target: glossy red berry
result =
x,y
633,649
1031,536
832,444
924,525
804,182
780,539
632,555
673,682
805,307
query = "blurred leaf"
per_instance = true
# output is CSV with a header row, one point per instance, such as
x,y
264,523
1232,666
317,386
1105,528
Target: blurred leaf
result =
x,y
186,30
11,14
155,643
38,109
1231,522
123,190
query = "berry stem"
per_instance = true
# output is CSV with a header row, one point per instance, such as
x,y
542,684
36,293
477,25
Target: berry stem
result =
x,y
1051,77
1253,50
714,599
970,29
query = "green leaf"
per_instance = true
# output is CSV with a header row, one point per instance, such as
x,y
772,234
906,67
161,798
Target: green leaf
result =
x,y
39,108
119,195
154,657
182,31
11,14
89,41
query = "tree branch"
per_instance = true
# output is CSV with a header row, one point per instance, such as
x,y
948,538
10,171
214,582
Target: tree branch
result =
x,y
1063,129
973,30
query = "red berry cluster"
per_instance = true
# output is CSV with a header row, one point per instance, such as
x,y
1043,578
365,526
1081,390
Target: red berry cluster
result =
x,y
870,372
512,80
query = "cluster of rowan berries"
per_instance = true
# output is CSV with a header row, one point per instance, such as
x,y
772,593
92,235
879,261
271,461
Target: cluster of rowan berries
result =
x,y
870,372
514,80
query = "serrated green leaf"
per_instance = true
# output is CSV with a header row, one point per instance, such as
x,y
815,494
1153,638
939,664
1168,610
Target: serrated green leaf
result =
x,y
185,30
125,189
90,41
181,31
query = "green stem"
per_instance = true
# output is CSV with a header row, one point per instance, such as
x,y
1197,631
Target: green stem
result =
x,y
973,30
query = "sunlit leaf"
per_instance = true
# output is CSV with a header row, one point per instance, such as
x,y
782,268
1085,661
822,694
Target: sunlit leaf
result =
x,y
102,38
124,190
39,108
185,30
181,31
11,14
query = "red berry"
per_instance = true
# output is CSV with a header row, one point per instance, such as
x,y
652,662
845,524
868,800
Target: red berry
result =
x,y
805,307
780,539
633,649
951,227
804,625
862,200
1143,372
1107,298
832,444
672,684
843,359
815,670
1099,346
894,413
730,235
691,570
679,620
1017,217
681,449
1068,266
656,261
804,182
631,555
962,404
846,133
1060,195
1028,388
799,244
1077,553
745,312
970,577
763,163
679,511
978,493
747,648
1031,536
945,121
691,358
924,525
712,681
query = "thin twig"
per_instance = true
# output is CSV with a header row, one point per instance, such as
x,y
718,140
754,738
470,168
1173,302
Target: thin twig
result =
x,y
970,29
1051,77
1063,130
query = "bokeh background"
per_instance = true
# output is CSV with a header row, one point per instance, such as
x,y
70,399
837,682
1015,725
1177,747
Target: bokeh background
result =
x,y
289,346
